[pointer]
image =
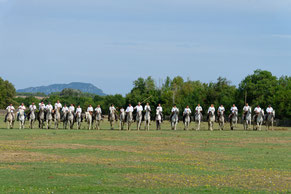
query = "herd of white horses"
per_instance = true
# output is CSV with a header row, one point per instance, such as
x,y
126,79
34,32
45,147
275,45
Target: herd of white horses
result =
x,y
46,118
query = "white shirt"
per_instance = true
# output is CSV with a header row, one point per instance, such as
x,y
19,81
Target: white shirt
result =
x,y
11,108
147,107
72,108
221,109
32,107
112,108
175,109
233,109
246,108
98,109
22,107
49,107
79,110
129,109
187,110
257,110
210,109
58,105
198,109
269,110
40,105
138,108
65,108
90,109
121,110
160,108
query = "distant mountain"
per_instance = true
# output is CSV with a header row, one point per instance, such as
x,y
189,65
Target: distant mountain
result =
x,y
84,87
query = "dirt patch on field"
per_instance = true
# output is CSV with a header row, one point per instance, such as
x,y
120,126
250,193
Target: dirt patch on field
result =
x,y
243,179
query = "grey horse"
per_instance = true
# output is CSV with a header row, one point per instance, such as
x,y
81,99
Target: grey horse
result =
x,y
247,119
21,117
129,119
41,117
122,120
147,118
57,116
49,118
31,118
158,119
10,119
198,119
211,120
175,119
233,119
98,118
187,120
71,119
138,119
258,120
78,119
270,120
221,120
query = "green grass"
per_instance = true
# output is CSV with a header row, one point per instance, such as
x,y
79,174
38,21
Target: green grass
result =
x,y
106,161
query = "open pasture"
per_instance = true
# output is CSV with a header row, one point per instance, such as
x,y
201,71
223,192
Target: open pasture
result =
x,y
106,161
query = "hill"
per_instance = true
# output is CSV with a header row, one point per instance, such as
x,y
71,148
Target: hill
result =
x,y
84,87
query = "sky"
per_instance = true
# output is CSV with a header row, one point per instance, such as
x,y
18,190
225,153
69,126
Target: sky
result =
x,y
111,43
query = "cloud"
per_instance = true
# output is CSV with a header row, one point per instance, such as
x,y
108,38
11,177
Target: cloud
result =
x,y
286,36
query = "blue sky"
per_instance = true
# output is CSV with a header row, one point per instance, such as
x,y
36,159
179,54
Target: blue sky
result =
x,y
111,43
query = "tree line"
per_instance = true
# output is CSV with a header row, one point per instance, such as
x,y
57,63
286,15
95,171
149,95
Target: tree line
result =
x,y
260,88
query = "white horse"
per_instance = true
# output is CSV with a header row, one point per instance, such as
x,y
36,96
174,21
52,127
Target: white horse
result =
x,y
57,116
147,119
21,118
270,120
122,120
98,118
65,119
88,117
71,119
112,118
49,118
129,119
221,120
79,119
211,120
41,117
31,118
138,119
10,119
258,120
247,119
158,119
198,119
233,119
175,119
187,120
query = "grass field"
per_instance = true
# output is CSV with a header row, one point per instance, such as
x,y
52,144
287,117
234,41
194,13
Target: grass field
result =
x,y
105,161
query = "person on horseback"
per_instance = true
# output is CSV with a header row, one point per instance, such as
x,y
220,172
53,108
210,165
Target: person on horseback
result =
x,y
112,108
257,111
246,108
11,109
21,107
160,108
186,110
210,109
174,109
233,109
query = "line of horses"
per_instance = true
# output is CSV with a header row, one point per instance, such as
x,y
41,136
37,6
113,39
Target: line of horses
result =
x,y
47,117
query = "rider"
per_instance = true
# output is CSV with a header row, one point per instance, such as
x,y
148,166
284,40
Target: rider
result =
x,y
21,107
72,108
186,110
147,107
58,105
12,109
246,109
269,110
160,108
112,109
79,110
210,109
90,109
41,105
49,106
174,109
65,109
198,109
257,111
221,110
233,109
139,107
32,107
98,109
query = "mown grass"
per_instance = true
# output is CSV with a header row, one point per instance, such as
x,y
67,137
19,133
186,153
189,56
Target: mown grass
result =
x,y
106,161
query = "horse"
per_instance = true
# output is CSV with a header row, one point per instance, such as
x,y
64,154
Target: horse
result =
x,y
112,118
138,119
174,119
198,119
233,119
122,120
221,120
65,119
31,118
247,119
10,119
21,118
147,119
98,118
88,117
57,116
270,120
211,119
78,119
187,120
129,119
41,117
258,121
49,118
158,119
70,119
